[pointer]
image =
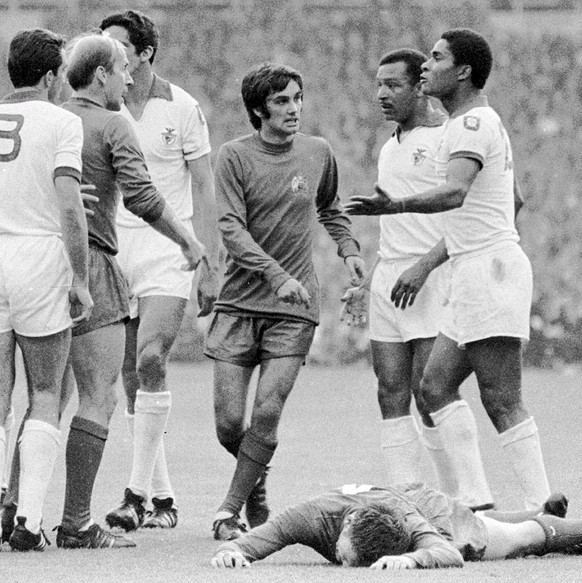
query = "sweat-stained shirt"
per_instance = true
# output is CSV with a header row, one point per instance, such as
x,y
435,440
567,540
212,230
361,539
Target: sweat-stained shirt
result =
x,y
114,163
269,197
443,532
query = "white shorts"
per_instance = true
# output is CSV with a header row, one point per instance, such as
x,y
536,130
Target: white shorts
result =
x,y
151,264
35,279
421,320
491,295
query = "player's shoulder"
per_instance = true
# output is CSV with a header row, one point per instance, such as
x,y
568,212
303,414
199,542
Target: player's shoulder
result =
x,y
476,120
181,96
315,142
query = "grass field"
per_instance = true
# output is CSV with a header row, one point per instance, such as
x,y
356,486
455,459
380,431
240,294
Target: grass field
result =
x,y
329,436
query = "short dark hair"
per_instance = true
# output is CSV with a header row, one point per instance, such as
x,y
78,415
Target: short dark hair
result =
x,y
261,82
376,531
470,48
412,58
32,54
141,30
88,53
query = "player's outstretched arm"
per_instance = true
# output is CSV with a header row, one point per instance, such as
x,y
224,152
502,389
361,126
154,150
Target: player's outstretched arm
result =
x,y
229,560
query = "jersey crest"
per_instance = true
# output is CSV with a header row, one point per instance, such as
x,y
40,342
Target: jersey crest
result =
x,y
169,137
472,122
419,157
298,183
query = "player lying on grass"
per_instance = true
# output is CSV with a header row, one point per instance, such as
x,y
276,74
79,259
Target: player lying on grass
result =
x,y
407,526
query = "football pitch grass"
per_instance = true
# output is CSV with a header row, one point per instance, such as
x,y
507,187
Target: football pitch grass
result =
x,y
329,436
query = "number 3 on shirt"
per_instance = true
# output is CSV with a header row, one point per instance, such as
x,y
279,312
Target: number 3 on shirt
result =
x,y
12,135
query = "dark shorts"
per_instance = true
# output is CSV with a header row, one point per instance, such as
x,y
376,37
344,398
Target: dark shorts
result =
x,y
248,340
109,291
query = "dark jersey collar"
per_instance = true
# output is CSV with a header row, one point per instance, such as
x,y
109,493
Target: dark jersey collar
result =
x,y
20,96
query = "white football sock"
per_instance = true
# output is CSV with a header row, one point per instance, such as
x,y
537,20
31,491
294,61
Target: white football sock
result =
x,y
39,446
3,450
521,444
151,416
458,431
161,486
4,466
401,449
431,439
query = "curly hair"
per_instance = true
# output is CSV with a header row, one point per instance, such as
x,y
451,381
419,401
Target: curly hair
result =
x,y
470,48
376,531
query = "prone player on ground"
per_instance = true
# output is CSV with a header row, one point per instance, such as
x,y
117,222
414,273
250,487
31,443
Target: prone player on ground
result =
x,y
407,526
174,137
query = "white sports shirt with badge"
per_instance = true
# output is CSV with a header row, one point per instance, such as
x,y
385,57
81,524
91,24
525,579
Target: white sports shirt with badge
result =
x,y
406,167
171,131
487,215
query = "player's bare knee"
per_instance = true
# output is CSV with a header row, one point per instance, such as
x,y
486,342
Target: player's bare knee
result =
x,y
431,390
151,368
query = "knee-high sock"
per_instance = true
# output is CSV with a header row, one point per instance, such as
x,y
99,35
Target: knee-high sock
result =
x,y
83,456
151,416
458,431
8,427
39,446
161,485
11,497
447,482
521,444
3,448
562,535
401,449
253,457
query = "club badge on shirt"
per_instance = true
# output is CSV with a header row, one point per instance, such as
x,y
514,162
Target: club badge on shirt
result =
x,y
471,122
169,137
298,183
419,157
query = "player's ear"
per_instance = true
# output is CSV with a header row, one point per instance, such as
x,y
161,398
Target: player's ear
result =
x,y
146,54
464,72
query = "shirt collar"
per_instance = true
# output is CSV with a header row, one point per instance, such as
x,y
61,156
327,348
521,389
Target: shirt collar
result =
x,y
20,96
161,89
478,101
433,119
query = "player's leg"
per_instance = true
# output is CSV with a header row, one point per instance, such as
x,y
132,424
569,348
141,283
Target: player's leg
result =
x,y
96,359
555,505
400,439
129,368
430,435
160,318
44,359
445,371
538,536
276,379
231,386
497,364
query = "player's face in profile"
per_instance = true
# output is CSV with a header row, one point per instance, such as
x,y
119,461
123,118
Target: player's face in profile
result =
x,y
439,73
56,89
119,33
344,552
396,95
284,114
117,82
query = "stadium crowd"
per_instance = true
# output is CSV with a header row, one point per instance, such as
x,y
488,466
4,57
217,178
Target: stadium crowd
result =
x,y
110,206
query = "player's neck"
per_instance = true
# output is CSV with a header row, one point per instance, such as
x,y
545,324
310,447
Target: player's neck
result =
x,y
139,91
462,100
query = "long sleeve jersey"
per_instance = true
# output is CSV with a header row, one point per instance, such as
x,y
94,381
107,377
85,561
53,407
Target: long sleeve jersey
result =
x,y
269,197
442,531
114,163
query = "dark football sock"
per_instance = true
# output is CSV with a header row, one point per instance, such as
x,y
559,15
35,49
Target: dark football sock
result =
x,y
83,456
232,446
253,457
562,535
